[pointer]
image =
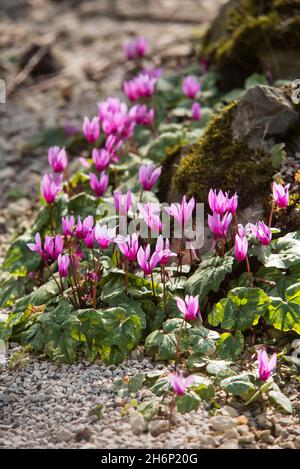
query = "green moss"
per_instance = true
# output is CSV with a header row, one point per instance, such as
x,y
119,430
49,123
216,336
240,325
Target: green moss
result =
x,y
169,166
289,219
251,31
219,161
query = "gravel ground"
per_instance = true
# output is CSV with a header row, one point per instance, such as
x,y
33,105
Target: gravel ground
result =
x,y
44,405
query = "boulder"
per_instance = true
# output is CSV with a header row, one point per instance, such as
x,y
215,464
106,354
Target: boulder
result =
x,y
250,36
234,153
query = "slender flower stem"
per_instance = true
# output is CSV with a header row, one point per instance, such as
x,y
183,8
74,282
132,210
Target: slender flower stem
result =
x,y
178,344
153,129
61,283
51,218
52,275
95,281
73,271
153,289
271,215
171,408
70,187
235,221
76,300
249,271
141,195
126,275
223,247
163,275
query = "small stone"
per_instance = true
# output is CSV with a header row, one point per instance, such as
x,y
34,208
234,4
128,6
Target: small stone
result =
x,y
156,427
231,444
206,442
19,207
287,445
221,423
247,438
138,424
263,422
88,446
83,434
231,411
243,429
63,435
297,442
242,420
7,173
266,437
231,434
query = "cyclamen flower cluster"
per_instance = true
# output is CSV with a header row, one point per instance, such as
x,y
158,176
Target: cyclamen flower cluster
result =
x,y
141,86
222,207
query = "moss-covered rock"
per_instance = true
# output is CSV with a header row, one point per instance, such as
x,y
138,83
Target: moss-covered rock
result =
x,y
219,161
250,36
234,154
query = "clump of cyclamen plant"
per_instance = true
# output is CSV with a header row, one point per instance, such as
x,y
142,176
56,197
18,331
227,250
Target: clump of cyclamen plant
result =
x,y
224,210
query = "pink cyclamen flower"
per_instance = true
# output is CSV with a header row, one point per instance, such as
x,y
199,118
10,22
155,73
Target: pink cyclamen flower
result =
x,y
179,383
99,186
196,111
122,202
129,49
141,114
147,262
231,203
148,176
240,247
129,246
112,145
141,86
182,212
89,238
281,195
37,246
63,265
68,225
51,185
265,366
218,225
262,232
150,213
191,86
53,246
189,307
155,72
91,129
141,46
84,227
104,235
217,201
163,249
115,119
136,48
58,159
101,159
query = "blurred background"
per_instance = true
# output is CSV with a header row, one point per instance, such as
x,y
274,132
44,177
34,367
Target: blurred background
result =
x,y
59,57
